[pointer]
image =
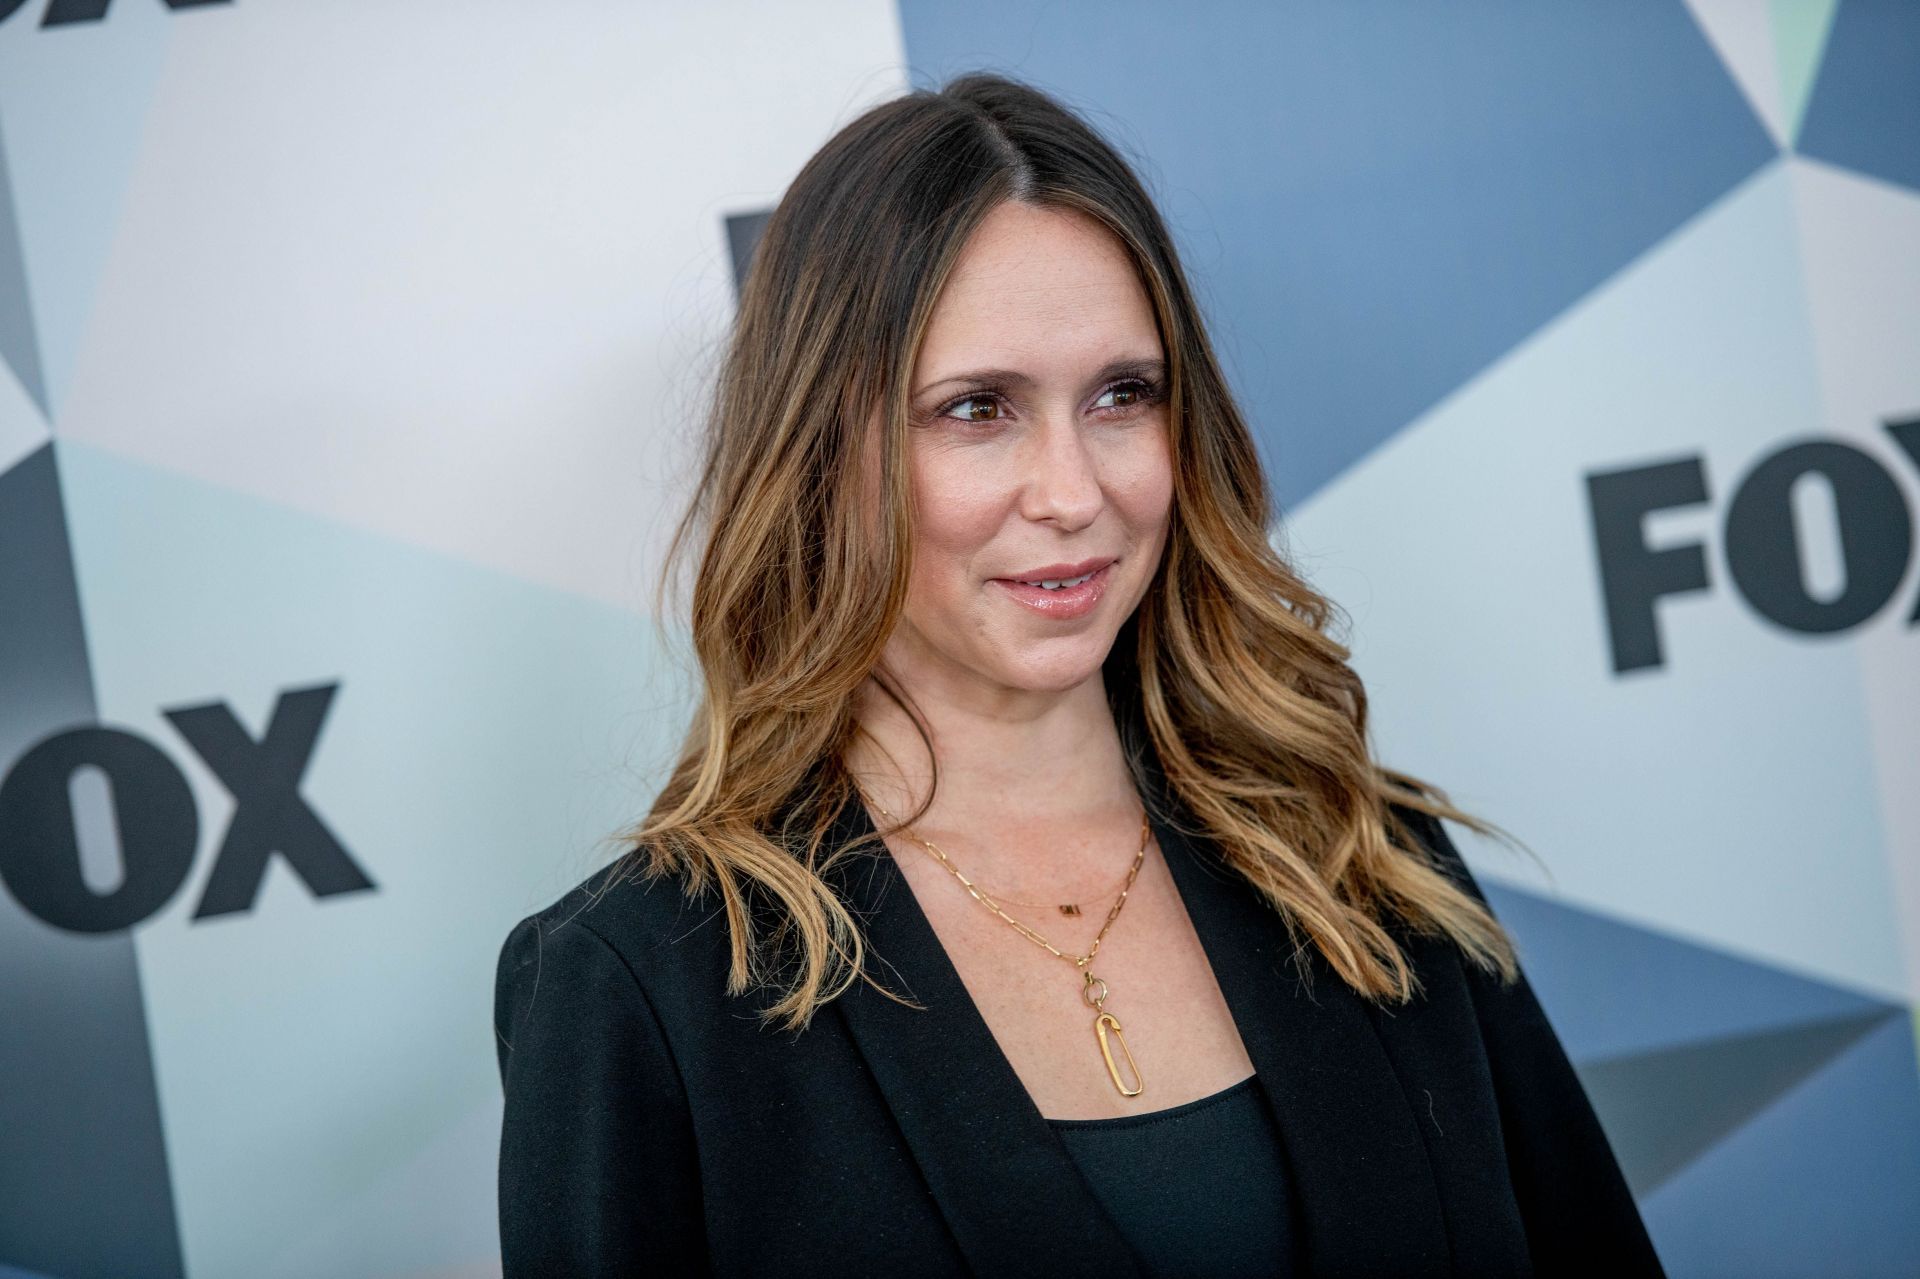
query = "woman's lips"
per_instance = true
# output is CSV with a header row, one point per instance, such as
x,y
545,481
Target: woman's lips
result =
x,y
1062,603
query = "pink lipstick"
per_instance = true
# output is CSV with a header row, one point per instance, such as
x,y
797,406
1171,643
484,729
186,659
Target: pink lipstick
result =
x,y
1061,591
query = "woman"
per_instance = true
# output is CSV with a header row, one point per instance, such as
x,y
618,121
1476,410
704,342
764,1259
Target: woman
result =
x,y
1025,899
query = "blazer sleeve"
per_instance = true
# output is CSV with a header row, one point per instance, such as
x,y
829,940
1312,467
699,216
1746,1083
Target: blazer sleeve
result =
x,y
598,1173
1580,1214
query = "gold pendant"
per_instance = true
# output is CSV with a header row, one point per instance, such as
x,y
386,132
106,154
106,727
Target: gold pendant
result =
x,y
1071,908
1103,1024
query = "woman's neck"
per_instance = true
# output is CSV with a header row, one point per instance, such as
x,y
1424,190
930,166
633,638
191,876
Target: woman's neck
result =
x,y
1019,772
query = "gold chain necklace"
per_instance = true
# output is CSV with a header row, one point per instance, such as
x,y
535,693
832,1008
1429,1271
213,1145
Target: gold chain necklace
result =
x,y
1093,989
1065,908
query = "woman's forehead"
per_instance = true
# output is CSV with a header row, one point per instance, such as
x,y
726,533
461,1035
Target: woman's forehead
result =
x,y
1037,288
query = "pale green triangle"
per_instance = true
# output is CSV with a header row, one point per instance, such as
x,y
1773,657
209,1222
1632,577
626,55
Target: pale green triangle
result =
x,y
1800,30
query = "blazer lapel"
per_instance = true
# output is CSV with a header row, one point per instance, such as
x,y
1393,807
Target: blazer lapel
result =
x,y
1362,1193
1364,1200
1012,1195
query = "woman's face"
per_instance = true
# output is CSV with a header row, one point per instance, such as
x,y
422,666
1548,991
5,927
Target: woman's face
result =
x,y
1039,454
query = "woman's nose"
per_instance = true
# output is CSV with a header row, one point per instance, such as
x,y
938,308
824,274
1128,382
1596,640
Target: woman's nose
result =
x,y
1062,485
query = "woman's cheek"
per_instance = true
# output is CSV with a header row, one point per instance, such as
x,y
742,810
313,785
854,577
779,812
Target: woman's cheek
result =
x,y
1141,478
962,498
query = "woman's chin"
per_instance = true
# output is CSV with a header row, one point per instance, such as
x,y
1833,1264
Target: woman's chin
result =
x,y
1053,668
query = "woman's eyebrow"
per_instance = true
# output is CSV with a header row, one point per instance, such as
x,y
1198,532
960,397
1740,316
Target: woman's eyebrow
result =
x,y
1147,365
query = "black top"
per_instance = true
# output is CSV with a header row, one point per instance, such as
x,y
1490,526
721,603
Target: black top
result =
x,y
653,1124
1197,1189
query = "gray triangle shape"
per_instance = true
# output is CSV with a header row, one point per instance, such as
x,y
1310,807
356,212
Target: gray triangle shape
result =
x,y
19,344
85,1187
1664,1109
743,237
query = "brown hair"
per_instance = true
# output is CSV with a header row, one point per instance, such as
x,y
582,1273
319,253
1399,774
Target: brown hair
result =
x,y
1257,721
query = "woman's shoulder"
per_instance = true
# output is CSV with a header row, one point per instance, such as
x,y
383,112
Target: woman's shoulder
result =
x,y
655,927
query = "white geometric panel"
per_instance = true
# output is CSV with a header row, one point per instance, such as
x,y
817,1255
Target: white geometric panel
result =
x,y
483,741
457,273
1480,625
1741,34
1860,248
73,101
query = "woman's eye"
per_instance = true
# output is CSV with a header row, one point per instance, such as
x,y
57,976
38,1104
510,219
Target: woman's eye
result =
x,y
1129,394
969,408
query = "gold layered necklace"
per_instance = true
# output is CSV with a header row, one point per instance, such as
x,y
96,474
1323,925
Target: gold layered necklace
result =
x,y
1093,990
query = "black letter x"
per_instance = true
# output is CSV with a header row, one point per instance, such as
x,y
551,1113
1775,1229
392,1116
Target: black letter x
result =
x,y
269,815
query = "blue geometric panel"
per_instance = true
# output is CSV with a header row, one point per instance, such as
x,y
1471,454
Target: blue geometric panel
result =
x,y
1665,1109
1865,112
1627,990
1549,145
1819,1183
1680,1045
1713,1074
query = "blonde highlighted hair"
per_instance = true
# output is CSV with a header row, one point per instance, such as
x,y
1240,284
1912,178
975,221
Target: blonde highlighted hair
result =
x,y
1227,672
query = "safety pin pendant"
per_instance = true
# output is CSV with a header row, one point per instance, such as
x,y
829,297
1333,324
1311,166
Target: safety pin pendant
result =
x,y
1101,1025
1106,1021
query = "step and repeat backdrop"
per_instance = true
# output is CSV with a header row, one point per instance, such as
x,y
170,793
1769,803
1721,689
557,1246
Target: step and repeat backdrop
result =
x,y
350,358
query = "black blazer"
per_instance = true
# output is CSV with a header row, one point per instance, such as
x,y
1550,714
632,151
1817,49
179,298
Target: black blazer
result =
x,y
653,1127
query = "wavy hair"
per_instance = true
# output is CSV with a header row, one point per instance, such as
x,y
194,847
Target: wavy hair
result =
x,y
1227,671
